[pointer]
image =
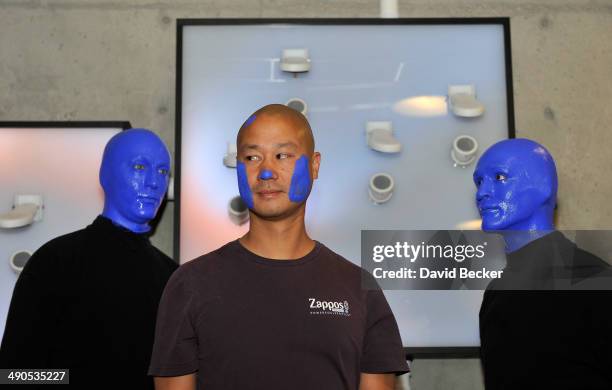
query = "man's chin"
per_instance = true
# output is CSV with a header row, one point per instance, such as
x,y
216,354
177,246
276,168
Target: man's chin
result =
x,y
272,213
143,215
491,226
269,214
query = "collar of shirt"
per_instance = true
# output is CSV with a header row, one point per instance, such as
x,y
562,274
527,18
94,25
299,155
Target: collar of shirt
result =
x,y
103,225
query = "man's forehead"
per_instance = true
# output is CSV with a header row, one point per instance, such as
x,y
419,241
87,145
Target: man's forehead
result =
x,y
278,121
492,161
142,150
261,130
277,145
274,124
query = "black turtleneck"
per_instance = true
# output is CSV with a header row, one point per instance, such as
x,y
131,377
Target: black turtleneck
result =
x,y
559,337
88,301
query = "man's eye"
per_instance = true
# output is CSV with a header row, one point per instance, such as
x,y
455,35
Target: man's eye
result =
x,y
163,171
500,177
282,155
139,167
251,158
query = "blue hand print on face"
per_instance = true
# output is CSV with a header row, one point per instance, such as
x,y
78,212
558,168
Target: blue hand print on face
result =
x,y
300,181
134,175
243,185
516,184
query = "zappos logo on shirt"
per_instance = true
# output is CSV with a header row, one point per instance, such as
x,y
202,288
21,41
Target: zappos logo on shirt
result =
x,y
322,307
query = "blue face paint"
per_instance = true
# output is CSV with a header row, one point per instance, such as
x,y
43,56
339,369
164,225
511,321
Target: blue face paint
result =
x,y
250,120
266,174
300,181
516,184
243,185
134,175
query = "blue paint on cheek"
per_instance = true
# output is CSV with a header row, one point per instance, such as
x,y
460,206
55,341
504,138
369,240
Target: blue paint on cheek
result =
x,y
300,181
243,185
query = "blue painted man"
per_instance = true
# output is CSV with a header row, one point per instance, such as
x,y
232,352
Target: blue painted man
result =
x,y
283,302
87,301
541,339
516,194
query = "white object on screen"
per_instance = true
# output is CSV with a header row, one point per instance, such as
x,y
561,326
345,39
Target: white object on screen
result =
x,y
295,60
18,260
26,210
238,210
381,187
462,101
298,105
464,150
379,136
229,160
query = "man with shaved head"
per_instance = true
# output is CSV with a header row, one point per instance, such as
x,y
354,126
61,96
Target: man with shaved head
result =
x,y
275,309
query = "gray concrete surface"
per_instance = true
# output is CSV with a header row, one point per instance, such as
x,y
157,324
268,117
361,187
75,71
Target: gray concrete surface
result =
x,y
102,59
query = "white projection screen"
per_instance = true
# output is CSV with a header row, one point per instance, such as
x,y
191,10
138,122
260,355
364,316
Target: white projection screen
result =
x,y
361,70
60,161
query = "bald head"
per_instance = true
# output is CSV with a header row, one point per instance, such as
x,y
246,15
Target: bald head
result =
x,y
284,115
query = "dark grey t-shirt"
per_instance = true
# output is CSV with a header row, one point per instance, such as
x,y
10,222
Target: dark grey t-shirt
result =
x,y
243,321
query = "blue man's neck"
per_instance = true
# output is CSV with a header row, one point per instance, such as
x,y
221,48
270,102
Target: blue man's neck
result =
x,y
118,219
522,233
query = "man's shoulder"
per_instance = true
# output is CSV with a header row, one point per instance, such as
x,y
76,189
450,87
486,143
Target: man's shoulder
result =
x,y
207,263
64,241
339,262
56,255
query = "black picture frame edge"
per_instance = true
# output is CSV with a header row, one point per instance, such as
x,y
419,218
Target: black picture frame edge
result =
x,y
177,141
460,352
124,125
344,21
467,352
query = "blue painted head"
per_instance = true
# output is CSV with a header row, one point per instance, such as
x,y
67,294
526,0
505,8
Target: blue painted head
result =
x,y
134,175
516,182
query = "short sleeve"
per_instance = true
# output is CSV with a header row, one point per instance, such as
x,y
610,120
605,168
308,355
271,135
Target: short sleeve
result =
x,y
175,350
382,348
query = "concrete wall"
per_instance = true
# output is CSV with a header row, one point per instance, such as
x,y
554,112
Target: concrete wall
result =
x,y
104,59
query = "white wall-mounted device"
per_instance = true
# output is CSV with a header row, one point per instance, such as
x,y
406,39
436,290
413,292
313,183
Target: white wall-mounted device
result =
x,y
379,136
298,105
464,150
381,187
462,101
229,160
295,61
238,210
18,260
27,209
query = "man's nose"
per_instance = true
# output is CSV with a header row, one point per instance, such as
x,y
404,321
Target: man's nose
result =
x,y
484,190
266,174
151,180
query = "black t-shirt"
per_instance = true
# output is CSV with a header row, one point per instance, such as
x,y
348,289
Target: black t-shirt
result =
x,y
243,321
87,301
547,339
